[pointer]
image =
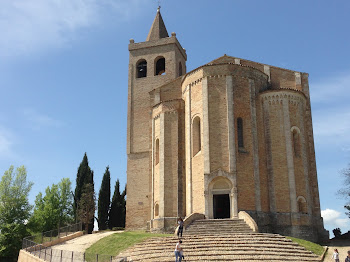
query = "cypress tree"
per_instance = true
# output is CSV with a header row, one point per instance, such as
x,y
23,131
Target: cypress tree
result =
x,y
114,212
84,176
123,215
104,199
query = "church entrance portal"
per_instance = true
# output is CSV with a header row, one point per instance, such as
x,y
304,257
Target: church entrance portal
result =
x,y
221,206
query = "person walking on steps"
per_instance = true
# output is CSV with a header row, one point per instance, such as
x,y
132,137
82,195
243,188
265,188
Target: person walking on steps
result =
x,y
347,259
336,255
178,251
180,222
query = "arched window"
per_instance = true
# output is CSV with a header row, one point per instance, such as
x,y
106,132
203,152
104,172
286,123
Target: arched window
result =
x,y
240,132
180,69
196,135
141,68
156,210
302,208
157,152
160,66
296,141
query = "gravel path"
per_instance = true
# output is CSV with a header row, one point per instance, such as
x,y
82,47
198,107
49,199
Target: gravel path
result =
x,y
80,244
342,245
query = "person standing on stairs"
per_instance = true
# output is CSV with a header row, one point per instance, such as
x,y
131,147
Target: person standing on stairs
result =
x,y
178,251
180,222
347,259
336,255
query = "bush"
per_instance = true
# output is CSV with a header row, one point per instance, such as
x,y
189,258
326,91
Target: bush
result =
x,y
337,232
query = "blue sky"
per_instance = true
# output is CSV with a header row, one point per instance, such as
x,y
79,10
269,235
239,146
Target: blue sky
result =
x,y
64,73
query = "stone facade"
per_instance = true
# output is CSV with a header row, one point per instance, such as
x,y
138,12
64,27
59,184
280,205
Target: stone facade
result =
x,y
232,135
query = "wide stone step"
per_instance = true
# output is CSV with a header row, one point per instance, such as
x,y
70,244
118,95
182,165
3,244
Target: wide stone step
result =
x,y
221,240
219,226
227,249
218,229
218,255
225,246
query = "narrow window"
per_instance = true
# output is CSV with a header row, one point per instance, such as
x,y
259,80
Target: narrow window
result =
x,y
240,132
156,210
302,208
180,69
141,69
160,66
157,152
196,135
296,143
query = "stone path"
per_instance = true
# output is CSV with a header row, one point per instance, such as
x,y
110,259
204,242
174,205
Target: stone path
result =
x,y
80,244
342,245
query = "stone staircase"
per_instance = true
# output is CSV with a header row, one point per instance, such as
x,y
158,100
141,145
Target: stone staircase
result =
x,y
218,226
221,240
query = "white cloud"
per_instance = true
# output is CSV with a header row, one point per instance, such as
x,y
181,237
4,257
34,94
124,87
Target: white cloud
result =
x,y
38,120
6,143
331,89
31,26
331,110
332,219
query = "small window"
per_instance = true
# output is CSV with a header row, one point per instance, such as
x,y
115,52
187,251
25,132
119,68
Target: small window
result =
x,y
160,66
296,143
141,69
180,69
157,152
240,132
196,135
302,208
156,210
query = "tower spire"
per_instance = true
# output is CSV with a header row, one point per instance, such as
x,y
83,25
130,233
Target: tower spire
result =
x,y
158,29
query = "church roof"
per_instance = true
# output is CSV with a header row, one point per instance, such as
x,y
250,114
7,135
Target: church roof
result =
x,y
158,29
223,60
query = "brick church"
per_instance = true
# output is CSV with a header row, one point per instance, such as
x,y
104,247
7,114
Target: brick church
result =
x,y
231,135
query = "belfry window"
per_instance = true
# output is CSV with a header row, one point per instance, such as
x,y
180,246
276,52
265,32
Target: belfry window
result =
x,y
157,152
160,66
196,135
180,69
240,132
141,68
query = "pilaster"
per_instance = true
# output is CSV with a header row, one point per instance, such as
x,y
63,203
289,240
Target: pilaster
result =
x,y
289,154
188,151
304,156
255,145
269,161
231,143
162,166
206,142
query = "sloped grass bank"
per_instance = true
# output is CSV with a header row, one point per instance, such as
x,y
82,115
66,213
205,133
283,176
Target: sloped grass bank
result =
x,y
313,247
112,245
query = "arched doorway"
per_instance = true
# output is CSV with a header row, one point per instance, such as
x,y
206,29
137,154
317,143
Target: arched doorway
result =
x,y
220,198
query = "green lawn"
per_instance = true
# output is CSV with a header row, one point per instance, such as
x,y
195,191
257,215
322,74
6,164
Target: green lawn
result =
x,y
314,248
115,243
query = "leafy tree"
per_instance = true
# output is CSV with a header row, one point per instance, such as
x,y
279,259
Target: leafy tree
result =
x,y
117,211
104,199
53,210
337,232
87,205
14,210
345,191
84,176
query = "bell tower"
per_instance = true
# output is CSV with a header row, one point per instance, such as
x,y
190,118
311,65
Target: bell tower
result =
x,y
152,63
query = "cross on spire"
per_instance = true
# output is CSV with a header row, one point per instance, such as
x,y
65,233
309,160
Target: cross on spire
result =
x,y
158,6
